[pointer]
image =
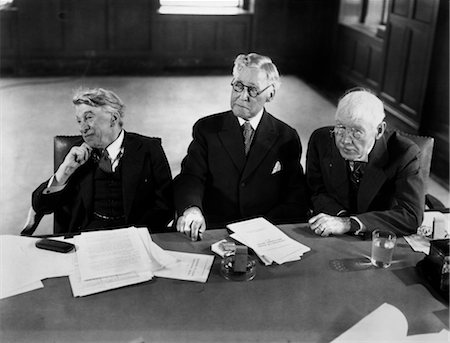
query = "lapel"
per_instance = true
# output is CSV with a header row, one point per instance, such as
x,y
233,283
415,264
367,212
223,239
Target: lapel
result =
x,y
338,170
232,139
131,163
374,175
265,137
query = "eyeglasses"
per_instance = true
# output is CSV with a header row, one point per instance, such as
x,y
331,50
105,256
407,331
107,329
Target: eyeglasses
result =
x,y
340,131
238,86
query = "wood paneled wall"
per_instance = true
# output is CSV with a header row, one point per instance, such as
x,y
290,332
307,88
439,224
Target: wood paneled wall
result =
x,y
408,68
123,36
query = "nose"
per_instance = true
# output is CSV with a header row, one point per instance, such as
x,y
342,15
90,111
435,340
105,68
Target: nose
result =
x,y
83,127
347,137
244,94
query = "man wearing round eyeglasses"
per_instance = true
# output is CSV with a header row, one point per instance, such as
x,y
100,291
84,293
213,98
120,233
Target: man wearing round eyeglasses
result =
x,y
360,176
244,162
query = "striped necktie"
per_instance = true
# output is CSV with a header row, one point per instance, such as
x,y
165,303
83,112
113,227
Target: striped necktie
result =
x,y
248,133
105,162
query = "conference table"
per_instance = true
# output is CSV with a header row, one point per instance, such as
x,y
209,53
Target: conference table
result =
x,y
315,299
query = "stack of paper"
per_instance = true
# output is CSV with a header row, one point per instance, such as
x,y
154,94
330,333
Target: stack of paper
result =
x,y
267,241
386,324
116,258
109,259
102,260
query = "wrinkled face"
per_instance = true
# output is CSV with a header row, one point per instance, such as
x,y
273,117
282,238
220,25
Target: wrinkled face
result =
x,y
355,136
242,104
96,125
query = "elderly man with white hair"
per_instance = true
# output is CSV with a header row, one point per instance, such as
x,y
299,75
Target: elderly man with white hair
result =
x,y
361,176
243,162
110,177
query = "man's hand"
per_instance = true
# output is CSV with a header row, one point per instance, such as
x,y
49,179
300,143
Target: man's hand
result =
x,y
76,157
192,223
324,224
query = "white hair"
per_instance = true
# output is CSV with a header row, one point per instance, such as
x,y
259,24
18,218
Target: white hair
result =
x,y
261,62
361,104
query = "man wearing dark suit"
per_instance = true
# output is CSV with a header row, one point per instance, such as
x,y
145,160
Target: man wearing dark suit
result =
x,y
362,177
244,162
112,178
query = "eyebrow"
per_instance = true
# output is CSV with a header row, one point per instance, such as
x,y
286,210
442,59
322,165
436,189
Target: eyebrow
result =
x,y
251,84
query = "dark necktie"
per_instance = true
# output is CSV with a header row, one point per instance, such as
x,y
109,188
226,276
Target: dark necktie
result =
x,y
355,178
356,174
105,163
248,133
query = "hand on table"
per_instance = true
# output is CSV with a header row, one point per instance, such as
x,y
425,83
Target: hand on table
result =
x,y
192,223
325,225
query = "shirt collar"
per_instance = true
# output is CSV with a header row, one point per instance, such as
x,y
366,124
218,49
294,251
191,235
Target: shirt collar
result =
x,y
115,147
254,121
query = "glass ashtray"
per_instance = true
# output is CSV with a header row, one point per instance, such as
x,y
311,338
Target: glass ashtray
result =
x,y
227,270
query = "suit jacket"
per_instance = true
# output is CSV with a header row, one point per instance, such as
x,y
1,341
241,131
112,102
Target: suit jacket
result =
x,y
391,192
146,188
217,176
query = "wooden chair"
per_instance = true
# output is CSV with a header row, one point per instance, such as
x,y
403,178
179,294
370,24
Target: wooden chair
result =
x,y
426,145
61,217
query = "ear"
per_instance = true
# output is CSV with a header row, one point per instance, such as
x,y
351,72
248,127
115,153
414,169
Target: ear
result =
x,y
271,96
114,118
381,128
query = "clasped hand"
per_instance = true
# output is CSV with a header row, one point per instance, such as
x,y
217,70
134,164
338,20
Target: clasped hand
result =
x,y
325,225
192,223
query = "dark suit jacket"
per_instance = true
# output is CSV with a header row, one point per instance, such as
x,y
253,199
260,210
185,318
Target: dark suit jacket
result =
x,y
391,192
217,177
146,188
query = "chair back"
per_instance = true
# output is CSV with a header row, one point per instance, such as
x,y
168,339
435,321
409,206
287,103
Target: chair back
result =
x,y
425,145
61,146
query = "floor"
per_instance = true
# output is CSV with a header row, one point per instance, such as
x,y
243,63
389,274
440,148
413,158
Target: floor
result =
x,y
34,110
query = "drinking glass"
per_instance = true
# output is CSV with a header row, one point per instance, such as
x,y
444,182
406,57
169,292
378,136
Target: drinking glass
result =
x,y
383,243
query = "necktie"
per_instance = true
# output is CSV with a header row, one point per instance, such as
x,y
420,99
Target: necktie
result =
x,y
357,174
248,136
105,163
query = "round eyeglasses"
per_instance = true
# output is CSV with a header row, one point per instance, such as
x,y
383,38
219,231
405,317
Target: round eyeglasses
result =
x,y
340,131
238,86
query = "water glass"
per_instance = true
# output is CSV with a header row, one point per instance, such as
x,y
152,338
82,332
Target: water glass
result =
x,y
383,243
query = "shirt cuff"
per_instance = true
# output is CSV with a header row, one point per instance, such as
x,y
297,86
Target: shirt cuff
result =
x,y
342,213
53,189
357,227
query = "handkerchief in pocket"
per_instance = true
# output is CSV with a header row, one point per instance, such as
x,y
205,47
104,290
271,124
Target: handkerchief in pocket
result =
x,y
276,167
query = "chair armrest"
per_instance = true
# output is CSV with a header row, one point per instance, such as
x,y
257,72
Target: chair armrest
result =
x,y
433,203
33,220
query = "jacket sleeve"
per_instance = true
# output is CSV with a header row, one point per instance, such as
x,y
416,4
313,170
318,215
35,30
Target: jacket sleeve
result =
x,y
161,212
407,204
190,183
321,200
293,206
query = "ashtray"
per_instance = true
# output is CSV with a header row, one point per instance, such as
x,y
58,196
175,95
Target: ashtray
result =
x,y
227,269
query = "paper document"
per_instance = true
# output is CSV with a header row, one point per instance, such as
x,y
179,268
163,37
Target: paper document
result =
x,y
386,324
23,266
188,266
268,241
82,288
419,243
111,252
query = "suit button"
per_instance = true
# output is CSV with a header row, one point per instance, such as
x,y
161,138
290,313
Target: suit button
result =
x,y
243,184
